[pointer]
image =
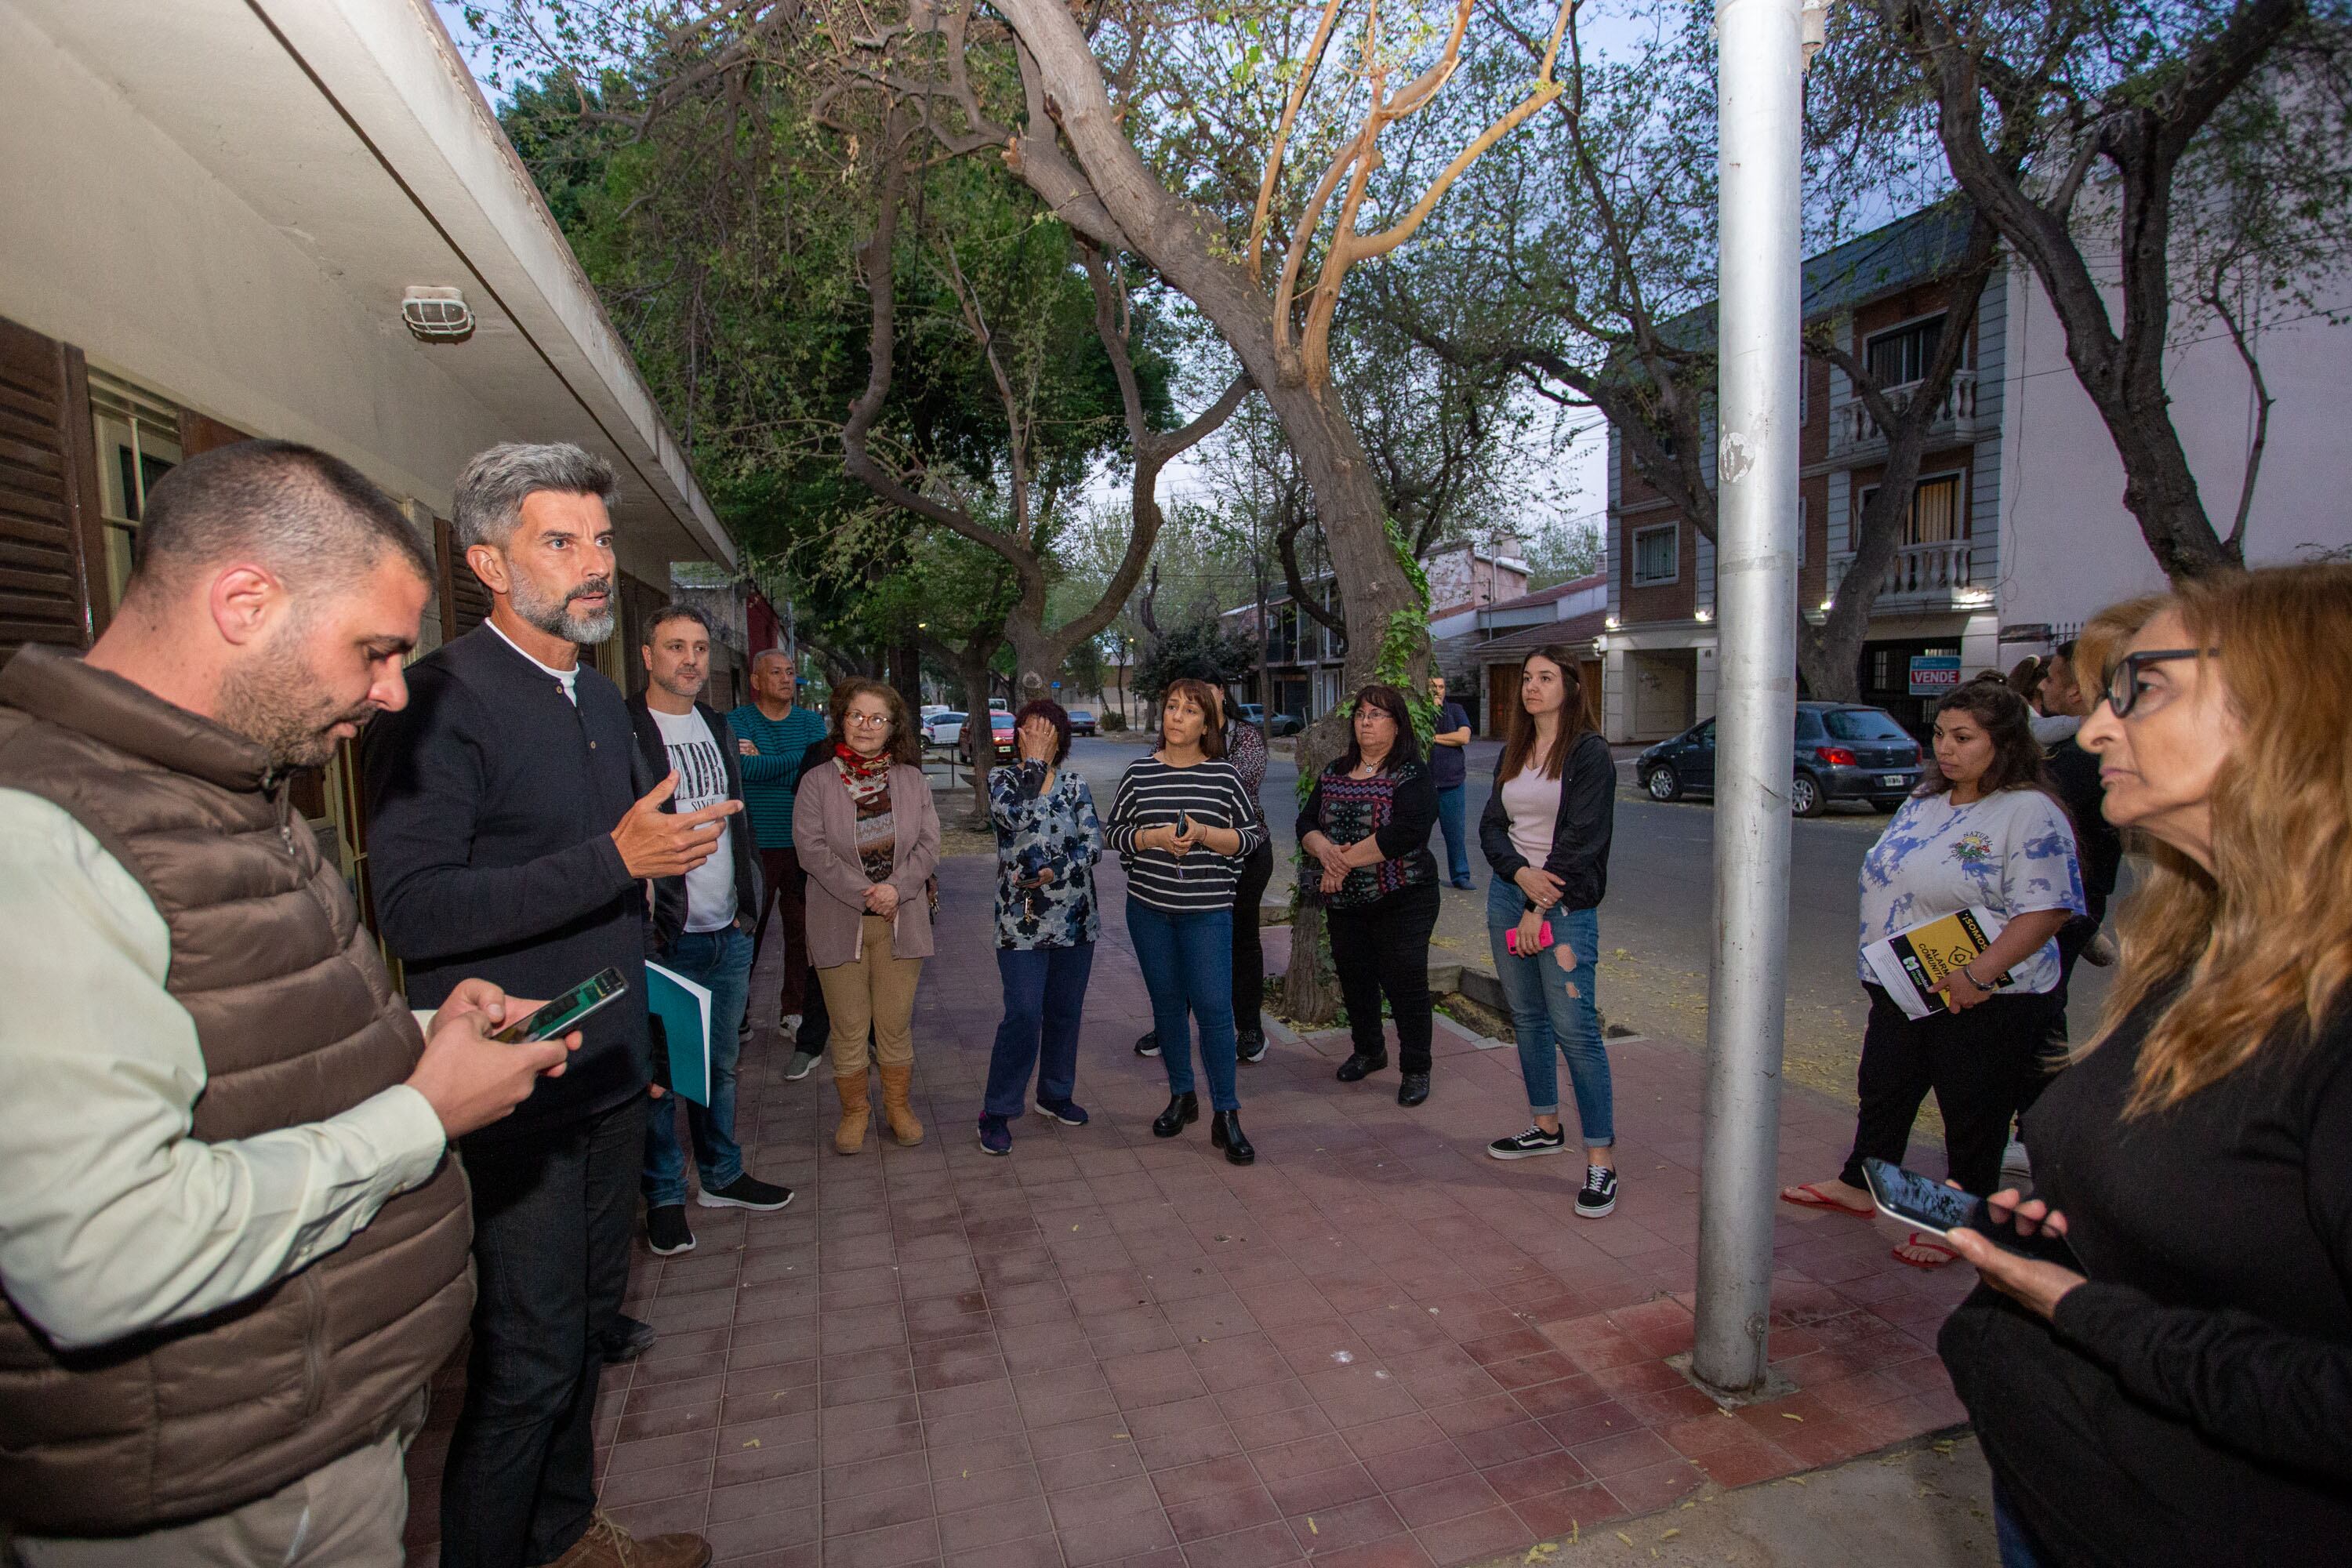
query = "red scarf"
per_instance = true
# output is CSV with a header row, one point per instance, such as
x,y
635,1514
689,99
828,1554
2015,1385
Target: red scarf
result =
x,y
865,777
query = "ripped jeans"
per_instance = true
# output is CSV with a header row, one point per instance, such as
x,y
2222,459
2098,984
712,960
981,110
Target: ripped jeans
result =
x,y
1555,1009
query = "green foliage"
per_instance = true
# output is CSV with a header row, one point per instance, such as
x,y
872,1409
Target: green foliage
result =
x,y
1200,650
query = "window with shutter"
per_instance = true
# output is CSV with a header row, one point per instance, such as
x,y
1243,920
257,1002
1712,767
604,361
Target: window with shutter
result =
x,y
44,551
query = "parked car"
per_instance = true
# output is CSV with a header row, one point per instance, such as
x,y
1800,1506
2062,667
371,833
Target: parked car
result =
x,y
943,728
1082,722
1844,751
999,727
1282,723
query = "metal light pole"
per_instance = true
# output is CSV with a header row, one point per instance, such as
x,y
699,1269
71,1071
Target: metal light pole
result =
x,y
1761,60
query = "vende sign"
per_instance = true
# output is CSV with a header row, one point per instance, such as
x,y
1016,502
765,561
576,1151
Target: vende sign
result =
x,y
1933,674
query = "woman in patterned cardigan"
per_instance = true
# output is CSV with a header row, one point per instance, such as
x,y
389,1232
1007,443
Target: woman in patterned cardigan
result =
x,y
1367,824
1047,841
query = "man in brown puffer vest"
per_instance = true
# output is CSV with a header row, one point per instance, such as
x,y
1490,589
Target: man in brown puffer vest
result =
x,y
233,1247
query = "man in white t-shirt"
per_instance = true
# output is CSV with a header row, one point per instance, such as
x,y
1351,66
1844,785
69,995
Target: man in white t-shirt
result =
x,y
702,928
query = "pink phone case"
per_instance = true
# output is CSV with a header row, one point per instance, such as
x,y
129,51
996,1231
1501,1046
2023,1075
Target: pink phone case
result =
x,y
1511,938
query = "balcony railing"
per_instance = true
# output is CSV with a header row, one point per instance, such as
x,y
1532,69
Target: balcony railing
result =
x,y
1855,435
1924,576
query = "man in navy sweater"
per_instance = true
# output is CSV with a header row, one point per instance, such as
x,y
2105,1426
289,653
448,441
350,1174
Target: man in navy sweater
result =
x,y
513,833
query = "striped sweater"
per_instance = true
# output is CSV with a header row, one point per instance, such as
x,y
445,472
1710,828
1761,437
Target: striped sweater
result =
x,y
770,779
1150,793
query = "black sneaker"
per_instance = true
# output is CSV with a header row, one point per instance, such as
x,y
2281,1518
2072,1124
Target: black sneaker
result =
x,y
1249,1045
801,1064
665,1231
995,1136
1533,1142
1068,1112
1599,1194
625,1339
1147,1045
746,1192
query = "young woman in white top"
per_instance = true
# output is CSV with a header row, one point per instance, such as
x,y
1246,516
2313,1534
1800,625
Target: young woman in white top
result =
x,y
1986,833
1546,833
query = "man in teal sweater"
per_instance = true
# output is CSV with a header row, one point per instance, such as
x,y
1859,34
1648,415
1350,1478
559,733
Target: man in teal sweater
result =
x,y
772,735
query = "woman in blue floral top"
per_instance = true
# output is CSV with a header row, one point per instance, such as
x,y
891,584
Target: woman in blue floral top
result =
x,y
1047,841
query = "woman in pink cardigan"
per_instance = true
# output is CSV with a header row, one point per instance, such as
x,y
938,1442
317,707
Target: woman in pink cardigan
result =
x,y
868,839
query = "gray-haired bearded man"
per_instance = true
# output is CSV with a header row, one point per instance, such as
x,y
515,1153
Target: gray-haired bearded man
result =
x,y
512,832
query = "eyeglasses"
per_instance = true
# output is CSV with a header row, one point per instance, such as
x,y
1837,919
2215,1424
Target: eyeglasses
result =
x,y
2123,682
868,720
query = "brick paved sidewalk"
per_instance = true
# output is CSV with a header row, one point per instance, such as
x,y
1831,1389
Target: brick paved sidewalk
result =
x,y
1375,1346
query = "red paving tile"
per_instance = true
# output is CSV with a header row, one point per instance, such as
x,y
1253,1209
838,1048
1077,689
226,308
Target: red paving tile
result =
x,y
1114,1350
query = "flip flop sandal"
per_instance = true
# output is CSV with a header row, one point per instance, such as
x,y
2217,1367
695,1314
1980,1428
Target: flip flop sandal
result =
x,y
1925,1246
1821,1200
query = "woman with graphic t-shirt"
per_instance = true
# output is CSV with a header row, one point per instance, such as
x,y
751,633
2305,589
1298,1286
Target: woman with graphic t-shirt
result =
x,y
1987,833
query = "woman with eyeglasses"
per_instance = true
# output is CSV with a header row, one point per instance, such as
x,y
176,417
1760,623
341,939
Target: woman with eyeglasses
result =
x,y
869,839
1984,833
1047,841
1182,826
2178,1392
1366,825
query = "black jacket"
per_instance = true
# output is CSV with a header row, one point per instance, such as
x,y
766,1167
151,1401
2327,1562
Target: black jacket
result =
x,y
491,801
669,892
1580,835
2100,847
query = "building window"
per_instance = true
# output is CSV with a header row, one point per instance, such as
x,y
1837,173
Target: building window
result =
x,y
1900,357
1935,517
1655,559
138,443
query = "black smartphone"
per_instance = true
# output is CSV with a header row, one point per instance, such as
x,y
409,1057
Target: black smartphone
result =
x,y
558,1017
1915,1200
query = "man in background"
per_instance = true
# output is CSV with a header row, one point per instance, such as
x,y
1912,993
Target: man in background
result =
x,y
1449,770
512,833
232,1251
773,734
702,929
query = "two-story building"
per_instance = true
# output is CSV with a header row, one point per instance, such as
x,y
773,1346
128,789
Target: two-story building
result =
x,y
2017,531
1305,660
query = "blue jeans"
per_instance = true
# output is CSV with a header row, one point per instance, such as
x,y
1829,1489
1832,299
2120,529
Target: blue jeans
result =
x,y
1044,990
1553,1007
2016,1547
1451,818
721,961
1188,964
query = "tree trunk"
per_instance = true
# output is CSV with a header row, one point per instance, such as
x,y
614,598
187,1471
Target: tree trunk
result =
x,y
974,673
1310,993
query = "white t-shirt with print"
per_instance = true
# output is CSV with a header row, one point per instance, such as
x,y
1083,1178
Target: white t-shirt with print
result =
x,y
2012,853
701,781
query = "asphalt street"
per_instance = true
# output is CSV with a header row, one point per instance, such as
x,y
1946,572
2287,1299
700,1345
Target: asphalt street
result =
x,y
1656,935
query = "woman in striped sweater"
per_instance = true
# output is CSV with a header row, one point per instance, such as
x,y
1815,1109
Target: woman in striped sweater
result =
x,y
1182,824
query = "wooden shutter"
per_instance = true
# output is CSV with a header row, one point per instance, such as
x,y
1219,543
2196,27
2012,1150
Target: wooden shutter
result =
x,y
464,603
45,519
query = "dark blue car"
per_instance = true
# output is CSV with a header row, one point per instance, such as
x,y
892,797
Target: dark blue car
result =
x,y
1844,751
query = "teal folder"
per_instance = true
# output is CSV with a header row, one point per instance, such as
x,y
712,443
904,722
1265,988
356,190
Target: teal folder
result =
x,y
684,1009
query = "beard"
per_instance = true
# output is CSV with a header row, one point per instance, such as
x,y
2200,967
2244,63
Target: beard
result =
x,y
556,617
273,699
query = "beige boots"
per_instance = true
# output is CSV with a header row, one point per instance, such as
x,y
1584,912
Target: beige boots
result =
x,y
856,1110
896,1082
850,1136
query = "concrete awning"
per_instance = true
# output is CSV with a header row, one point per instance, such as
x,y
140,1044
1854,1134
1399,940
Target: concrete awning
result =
x,y
229,197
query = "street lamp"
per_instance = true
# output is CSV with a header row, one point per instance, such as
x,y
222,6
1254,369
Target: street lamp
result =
x,y
1761,57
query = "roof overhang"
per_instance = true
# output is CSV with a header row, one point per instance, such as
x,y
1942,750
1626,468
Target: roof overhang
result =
x,y
355,129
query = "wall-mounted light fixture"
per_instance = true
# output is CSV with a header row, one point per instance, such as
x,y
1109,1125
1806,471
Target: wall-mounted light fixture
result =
x,y
1705,616
437,315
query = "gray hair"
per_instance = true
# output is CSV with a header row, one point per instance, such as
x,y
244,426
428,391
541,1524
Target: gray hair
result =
x,y
496,483
677,610
771,653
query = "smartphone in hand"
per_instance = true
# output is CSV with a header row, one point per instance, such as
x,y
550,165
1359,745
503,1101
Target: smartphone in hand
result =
x,y
1511,942
1931,1206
